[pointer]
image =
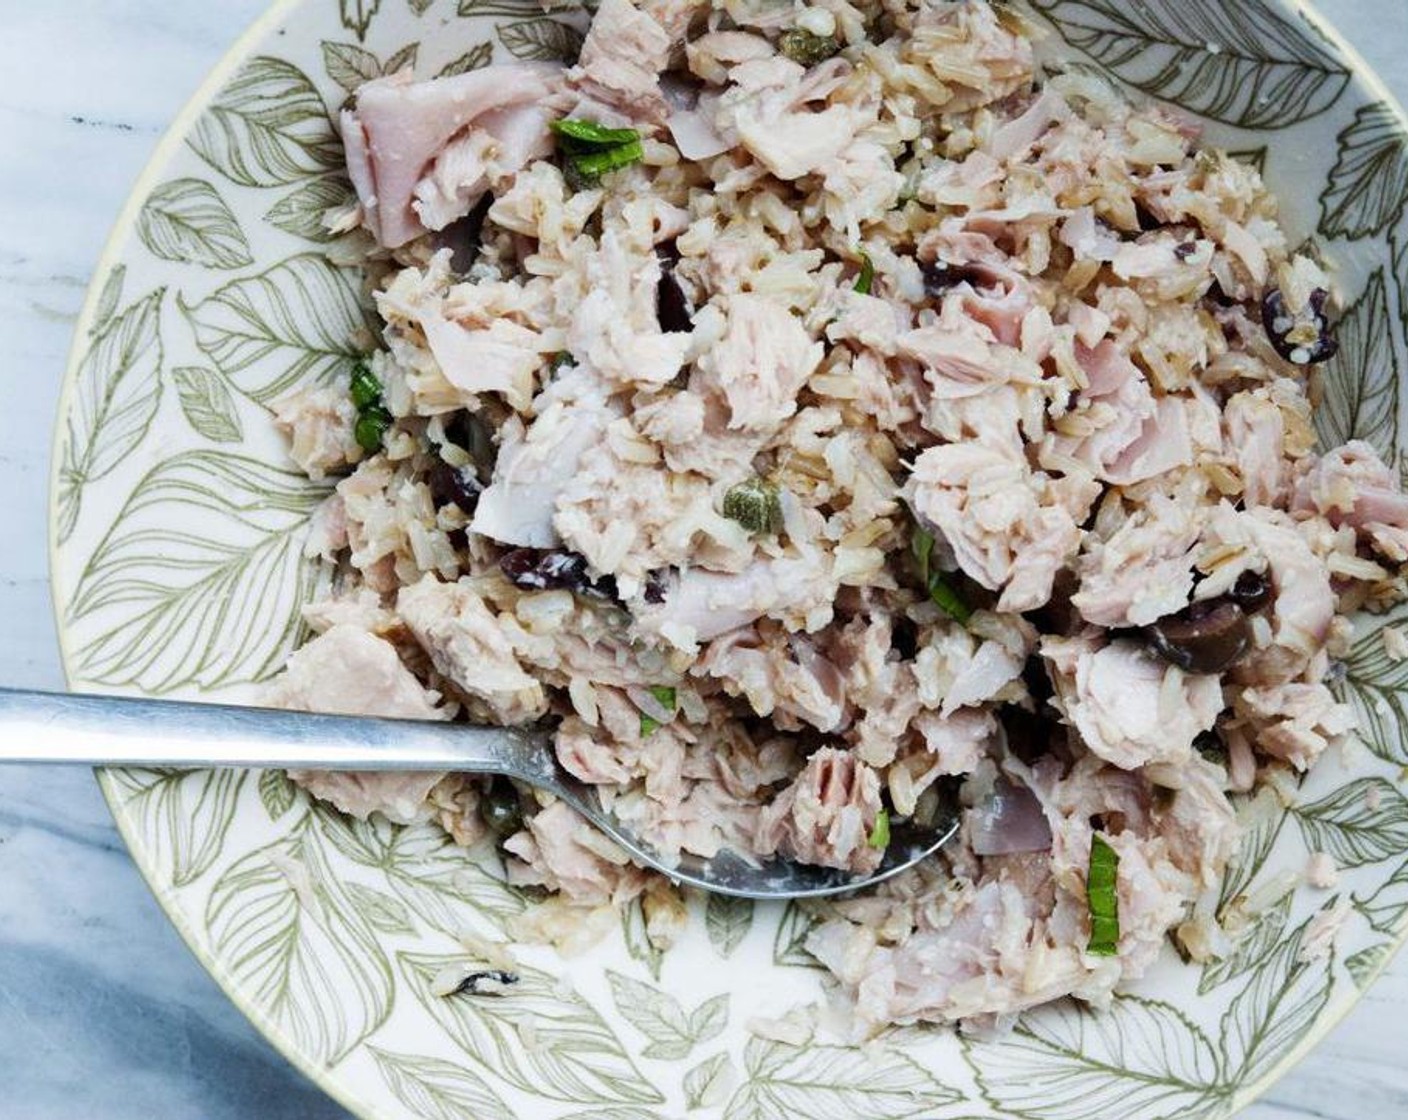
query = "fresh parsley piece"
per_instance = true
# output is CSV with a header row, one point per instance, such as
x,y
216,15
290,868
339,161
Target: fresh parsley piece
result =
x,y
370,431
880,834
590,150
1101,898
867,274
939,590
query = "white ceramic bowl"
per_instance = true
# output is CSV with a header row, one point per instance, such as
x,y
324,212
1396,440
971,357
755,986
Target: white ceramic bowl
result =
x,y
177,531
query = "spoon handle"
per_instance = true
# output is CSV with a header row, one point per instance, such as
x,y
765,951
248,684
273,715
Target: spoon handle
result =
x,y
50,727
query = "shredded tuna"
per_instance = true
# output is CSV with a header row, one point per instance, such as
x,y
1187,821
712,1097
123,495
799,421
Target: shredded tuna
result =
x,y
902,430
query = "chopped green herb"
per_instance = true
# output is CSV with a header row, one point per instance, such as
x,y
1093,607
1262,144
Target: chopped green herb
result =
x,y
591,150
1102,900
867,274
648,726
665,694
591,166
940,591
371,427
594,135
558,360
366,389
922,545
943,593
880,834
807,47
755,505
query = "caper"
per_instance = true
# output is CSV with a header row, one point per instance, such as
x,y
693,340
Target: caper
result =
x,y
755,505
806,47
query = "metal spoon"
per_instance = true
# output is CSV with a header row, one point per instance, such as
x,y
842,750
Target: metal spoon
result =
x,y
47,727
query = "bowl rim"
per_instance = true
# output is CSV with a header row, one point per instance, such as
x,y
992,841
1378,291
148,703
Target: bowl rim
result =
x,y
170,142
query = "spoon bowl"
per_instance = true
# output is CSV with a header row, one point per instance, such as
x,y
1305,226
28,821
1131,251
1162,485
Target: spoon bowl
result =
x,y
51,727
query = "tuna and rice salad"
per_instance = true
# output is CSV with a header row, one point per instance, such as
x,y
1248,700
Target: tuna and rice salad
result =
x,y
818,415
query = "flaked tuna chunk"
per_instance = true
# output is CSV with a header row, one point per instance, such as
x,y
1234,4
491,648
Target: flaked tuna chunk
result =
x,y
615,330
768,106
1145,569
792,679
987,952
826,816
534,466
990,510
1352,486
701,605
617,75
400,127
1304,604
1132,436
1256,436
467,646
399,797
562,852
760,364
1130,707
502,357
1294,722
320,424
350,672
1199,825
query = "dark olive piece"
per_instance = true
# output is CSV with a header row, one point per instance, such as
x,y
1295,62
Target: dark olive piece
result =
x,y
454,486
470,431
1302,337
940,276
463,236
655,588
1251,592
1205,638
671,305
501,808
532,570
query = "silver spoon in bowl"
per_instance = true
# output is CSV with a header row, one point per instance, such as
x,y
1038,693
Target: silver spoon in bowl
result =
x,y
50,727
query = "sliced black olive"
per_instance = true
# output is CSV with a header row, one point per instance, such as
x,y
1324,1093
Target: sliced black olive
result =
x,y
940,276
1251,592
1205,638
462,236
501,808
671,305
655,588
1302,337
532,570
454,486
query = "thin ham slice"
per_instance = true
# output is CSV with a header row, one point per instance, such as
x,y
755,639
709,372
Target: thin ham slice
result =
x,y
399,127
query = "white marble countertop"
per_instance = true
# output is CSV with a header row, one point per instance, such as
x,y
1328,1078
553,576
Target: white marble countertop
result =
x,y
104,1015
